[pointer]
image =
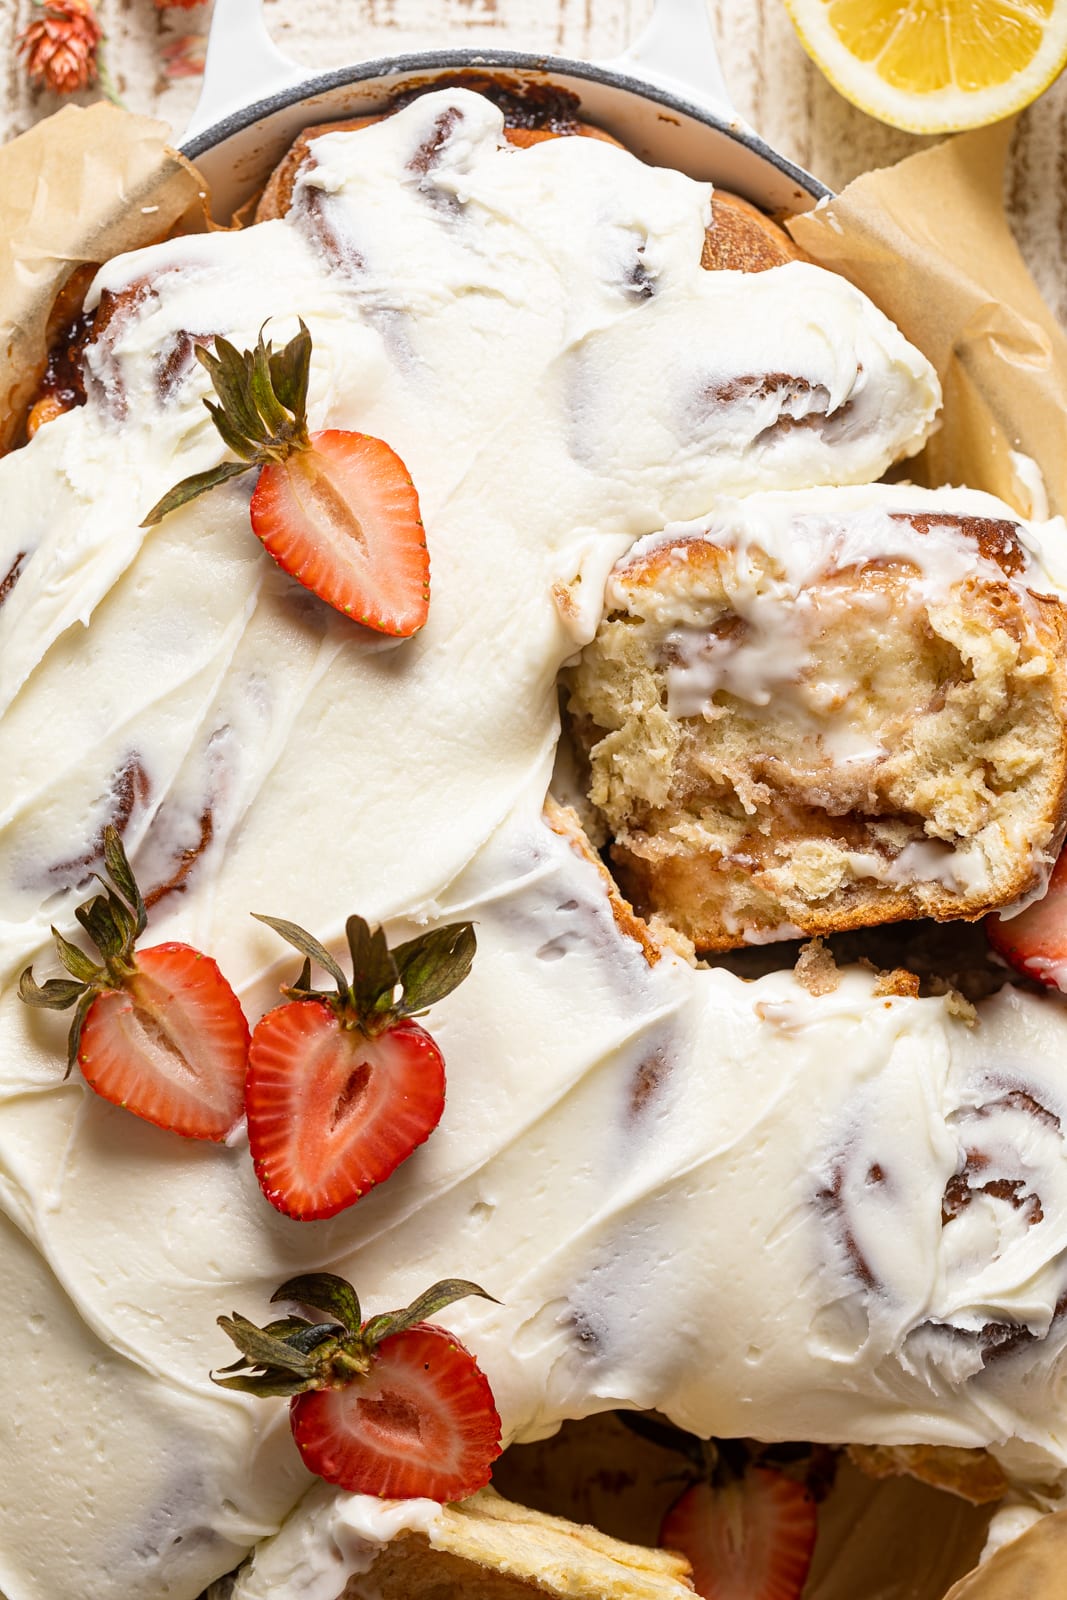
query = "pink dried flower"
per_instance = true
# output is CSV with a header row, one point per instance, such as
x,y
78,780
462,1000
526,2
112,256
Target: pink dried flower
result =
x,y
183,55
60,47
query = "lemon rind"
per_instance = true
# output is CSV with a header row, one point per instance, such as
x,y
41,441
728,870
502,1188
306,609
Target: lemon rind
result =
x,y
945,111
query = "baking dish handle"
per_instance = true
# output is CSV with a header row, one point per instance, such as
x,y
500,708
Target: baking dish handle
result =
x,y
243,64
676,51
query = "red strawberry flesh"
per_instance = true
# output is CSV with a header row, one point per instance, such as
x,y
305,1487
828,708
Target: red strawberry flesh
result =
x,y
750,1539
172,1046
421,1423
331,1112
1035,942
343,519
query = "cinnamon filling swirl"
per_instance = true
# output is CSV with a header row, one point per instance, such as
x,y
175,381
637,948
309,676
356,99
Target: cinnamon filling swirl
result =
x,y
968,1274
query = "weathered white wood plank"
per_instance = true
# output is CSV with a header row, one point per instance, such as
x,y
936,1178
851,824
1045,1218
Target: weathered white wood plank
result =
x,y
773,83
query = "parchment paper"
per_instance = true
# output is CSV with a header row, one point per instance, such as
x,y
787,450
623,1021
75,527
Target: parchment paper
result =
x,y
80,187
1031,1568
927,240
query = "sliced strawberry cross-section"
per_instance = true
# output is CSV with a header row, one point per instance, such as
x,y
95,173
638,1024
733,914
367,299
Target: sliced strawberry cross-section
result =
x,y
157,1031
422,1422
342,1086
342,517
1035,941
394,1406
749,1537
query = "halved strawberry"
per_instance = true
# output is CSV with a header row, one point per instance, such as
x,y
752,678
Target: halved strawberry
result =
x,y
158,1031
395,1406
1035,942
422,1422
749,1538
331,1112
337,510
342,517
343,1086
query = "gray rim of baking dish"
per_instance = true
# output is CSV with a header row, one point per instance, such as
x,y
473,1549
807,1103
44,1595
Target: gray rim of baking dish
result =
x,y
389,66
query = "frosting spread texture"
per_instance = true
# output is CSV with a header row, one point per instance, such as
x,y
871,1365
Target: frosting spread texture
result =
x,y
641,1161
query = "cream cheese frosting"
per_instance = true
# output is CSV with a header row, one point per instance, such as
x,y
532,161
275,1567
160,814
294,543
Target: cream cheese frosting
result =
x,y
663,1173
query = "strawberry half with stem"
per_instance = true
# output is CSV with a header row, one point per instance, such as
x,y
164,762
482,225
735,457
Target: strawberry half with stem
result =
x,y
342,1086
1035,942
158,1031
337,510
395,1406
748,1535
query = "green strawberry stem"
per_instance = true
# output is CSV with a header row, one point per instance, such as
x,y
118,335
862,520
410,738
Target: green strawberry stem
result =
x,y
114,922
294,1355
260,411
386,985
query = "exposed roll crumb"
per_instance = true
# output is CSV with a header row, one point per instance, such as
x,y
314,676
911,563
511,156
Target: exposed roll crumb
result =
x,y
816,969
818,711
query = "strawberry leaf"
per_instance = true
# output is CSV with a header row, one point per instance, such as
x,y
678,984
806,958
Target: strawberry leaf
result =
x,y
81,966
97,917
191,488
427,1305
230,371
260,413
125,920
386,985
275,417
266,1385
434,964
282,1329
301,989
74,1038
325,1291
121,874
262,1350
290,372
57,994
231,436
307,945
374,971
315,1335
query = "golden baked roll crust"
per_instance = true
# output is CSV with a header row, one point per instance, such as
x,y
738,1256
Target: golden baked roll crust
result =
x,y
825,710
974,1475
742,239
277,197
486,1548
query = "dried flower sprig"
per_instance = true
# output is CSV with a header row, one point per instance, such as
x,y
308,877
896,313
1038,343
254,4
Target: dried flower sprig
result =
x,y
184,54
61,46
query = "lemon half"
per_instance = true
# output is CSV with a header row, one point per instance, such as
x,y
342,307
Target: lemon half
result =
x,y
933,66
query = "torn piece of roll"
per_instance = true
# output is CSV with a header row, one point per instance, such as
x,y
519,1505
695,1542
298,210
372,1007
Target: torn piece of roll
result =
x,y
817,711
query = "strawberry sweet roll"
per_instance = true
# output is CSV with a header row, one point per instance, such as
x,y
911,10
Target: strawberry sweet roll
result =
x,y
818,711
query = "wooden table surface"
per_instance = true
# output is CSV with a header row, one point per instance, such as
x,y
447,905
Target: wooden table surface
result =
x,y
772,82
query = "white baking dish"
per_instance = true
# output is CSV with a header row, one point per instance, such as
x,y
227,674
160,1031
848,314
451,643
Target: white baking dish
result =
x,y
664,99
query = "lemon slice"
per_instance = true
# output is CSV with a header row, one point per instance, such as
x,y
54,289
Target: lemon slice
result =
x,y
933,66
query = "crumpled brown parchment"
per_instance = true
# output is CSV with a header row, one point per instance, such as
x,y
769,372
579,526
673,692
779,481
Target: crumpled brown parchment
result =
x,y
1033,1567
928,240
